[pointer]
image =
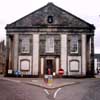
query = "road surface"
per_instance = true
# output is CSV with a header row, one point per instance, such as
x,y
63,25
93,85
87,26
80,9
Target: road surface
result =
x,y
88,89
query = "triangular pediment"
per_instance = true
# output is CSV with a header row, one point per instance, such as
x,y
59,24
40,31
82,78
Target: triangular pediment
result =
x,y
59,16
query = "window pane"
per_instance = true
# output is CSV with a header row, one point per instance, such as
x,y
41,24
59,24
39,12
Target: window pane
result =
x,y
49,44
24,44
98,60
74,44
98,64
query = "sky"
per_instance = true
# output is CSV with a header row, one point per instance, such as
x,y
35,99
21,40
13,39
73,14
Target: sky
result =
x,y
88,10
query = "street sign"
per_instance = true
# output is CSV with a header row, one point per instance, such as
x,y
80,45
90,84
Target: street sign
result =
x,y
61,71
17,73
10,71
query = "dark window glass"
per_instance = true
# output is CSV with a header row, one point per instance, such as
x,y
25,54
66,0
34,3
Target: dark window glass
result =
x,y
50,19
74,44
24,44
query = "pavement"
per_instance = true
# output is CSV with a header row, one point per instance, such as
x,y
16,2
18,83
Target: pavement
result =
x,y
52,84
97,76
40,82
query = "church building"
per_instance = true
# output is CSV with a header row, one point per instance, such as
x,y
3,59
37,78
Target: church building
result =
x,y
50,37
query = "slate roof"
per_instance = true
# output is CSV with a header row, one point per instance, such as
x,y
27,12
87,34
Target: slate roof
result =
x,y
39,17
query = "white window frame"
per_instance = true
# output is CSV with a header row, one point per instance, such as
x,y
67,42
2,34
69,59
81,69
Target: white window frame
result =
x,y
49,44
74,41
25,44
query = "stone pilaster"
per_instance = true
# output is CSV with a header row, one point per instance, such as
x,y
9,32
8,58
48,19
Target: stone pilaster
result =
x,y
7,54
64,53
92,55
57,65
83,54
16,43
10,62
42,66
35,54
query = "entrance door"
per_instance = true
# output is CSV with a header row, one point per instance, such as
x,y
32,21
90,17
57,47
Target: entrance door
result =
x,y
49,64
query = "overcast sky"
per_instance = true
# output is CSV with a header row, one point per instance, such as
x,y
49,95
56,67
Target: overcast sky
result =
x,y
88,10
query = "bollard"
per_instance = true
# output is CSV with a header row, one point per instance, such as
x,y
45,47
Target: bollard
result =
x,y
50,79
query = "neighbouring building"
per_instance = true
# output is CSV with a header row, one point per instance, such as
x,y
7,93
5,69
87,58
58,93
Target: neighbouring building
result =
x,y
50,37
2,57
97,63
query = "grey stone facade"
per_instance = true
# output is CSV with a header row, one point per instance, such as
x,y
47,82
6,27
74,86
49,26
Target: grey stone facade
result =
x,y
52,31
